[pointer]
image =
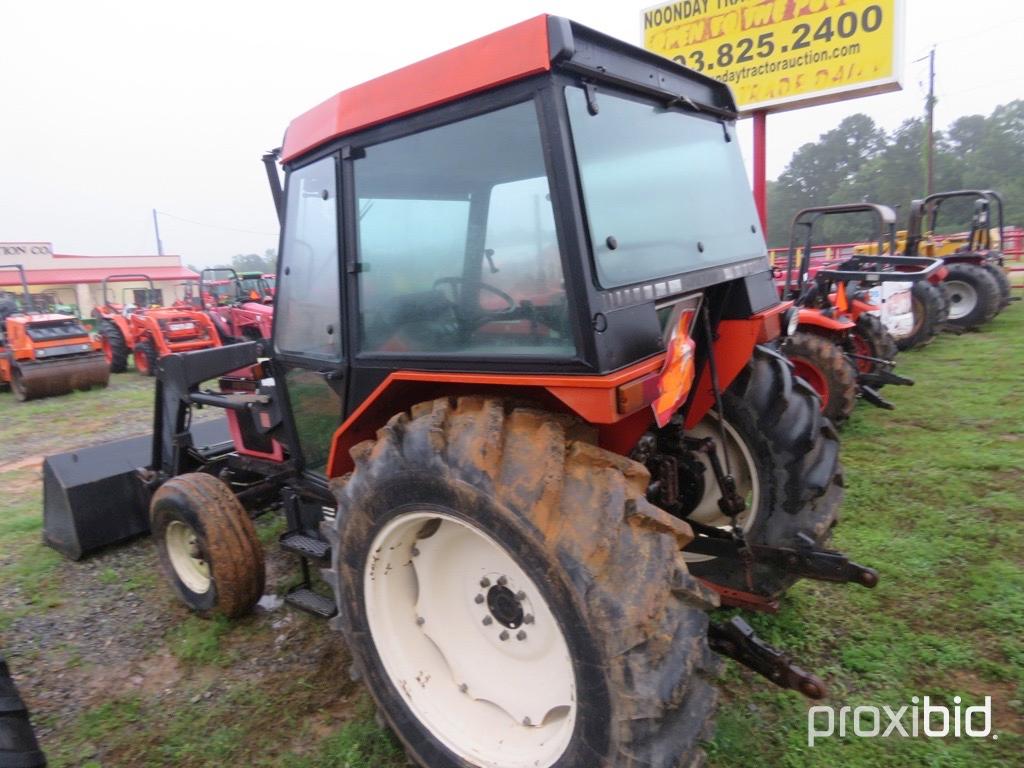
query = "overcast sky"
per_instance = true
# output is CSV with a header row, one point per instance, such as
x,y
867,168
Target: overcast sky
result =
x,y
111,109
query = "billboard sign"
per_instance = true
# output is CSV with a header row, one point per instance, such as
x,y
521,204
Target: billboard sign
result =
x,y
784,54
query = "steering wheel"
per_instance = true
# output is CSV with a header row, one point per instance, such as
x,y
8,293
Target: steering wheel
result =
x,y
458,284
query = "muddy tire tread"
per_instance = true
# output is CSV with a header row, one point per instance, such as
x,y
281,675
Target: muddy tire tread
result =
x,y
652,633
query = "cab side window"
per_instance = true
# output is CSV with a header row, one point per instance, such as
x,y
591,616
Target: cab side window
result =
x,y
308,299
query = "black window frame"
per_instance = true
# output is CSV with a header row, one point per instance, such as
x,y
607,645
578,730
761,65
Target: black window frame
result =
x,y
691,280
290,357
537,90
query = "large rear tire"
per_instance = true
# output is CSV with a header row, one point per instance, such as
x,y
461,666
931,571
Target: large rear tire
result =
x,y
207,545
973,294
1003,282
930,308
789,472
823,364
461,516
114,346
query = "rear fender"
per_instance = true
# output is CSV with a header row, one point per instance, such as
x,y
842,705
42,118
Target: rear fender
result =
x,y
594,399
814,319
734,347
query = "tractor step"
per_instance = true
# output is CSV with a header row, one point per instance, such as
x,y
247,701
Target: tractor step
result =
x,y
312,602
737,640
307,546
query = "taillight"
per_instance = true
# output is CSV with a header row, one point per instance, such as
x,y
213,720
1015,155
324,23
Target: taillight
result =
x,y
680,366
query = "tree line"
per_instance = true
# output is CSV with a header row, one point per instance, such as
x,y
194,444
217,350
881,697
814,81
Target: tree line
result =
x,y
858,161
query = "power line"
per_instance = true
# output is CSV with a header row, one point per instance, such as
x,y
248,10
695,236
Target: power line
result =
x,y
216,226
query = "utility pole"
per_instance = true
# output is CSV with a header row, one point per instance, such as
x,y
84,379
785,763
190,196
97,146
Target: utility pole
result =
x,y
156,228
930,109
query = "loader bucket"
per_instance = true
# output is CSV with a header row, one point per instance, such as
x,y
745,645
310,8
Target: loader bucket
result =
x,y
46,378
93,498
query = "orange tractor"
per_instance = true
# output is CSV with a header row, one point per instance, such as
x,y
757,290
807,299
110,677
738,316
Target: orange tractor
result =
x,y
521,410
141,327
44,353
840,344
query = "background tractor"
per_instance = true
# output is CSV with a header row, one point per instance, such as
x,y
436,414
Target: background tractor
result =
x,y
44,353
976,286
840,344
240,306
141,327
521,409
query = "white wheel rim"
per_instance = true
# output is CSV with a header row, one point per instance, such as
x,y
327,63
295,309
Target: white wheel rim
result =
x,y
186,559
495,687
744,471
962,298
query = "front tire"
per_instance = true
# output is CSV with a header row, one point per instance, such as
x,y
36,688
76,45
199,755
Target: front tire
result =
x,y
791,456
115,349
823,364
870,339
207,545
596,565
145,357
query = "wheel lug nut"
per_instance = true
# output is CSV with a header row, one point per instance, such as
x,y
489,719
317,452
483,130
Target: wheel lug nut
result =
x,y
502,581
478,599
463,688
415,552
528,618
485,582
520,596
527,722
503,635
488,621
420,621
520,635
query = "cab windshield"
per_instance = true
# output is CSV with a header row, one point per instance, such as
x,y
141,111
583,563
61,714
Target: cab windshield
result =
x,y
665,191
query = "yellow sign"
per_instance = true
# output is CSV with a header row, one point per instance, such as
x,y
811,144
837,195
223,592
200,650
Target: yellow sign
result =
x,y
782,54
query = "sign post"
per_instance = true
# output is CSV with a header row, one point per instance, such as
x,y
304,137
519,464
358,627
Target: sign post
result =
x,y
783,54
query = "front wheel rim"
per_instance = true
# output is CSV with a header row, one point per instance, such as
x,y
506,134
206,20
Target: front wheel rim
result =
x,y
744,471
963,298
186,557
468,642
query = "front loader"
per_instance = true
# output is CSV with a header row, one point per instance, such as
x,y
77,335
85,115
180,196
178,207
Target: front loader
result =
x,y
521,412
43,354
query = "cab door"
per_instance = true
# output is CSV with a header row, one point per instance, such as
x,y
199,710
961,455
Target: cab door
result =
x,y
309,349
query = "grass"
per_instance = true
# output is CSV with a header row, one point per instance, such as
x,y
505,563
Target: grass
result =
x,y
933,500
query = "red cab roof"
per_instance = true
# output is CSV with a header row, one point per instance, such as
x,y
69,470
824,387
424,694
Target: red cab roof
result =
x,y
510,54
